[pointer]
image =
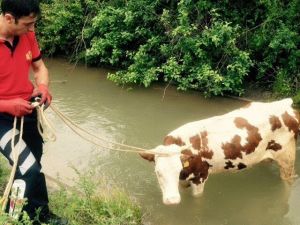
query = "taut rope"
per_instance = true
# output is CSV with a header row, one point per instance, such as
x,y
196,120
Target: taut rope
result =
x,y
89,137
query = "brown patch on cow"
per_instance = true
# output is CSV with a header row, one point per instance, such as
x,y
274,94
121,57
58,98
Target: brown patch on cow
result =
x,y
169,140
272,145
200,143
148,156
241,166
196,142
297,115
229,165
205,151
291,123
253,135
232,150
207,154
204,140
197,167
275,123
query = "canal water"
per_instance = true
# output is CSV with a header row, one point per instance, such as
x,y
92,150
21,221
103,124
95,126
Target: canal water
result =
x,y
142,117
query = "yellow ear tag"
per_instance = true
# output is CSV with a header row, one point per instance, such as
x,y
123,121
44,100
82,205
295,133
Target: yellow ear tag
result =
x,y
186,164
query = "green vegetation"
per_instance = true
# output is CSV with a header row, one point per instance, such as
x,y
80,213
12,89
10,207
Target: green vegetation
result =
x,y
4,173
296,100
92,202
216,47
95,202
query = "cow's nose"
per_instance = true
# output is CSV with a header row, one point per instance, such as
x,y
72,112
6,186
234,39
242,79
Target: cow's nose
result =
x,y
172,200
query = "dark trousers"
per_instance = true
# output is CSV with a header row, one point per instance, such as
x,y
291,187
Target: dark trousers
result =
x,y
29,166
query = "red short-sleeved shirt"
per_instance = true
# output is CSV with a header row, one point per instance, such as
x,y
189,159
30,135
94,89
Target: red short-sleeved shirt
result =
x,y
15,62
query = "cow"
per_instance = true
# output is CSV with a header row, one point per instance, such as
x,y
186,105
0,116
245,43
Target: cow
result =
x,y
230,142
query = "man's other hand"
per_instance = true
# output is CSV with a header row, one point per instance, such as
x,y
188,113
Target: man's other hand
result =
x,y
16,107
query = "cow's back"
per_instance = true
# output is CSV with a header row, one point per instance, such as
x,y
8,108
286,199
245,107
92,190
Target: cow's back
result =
x,y
242,137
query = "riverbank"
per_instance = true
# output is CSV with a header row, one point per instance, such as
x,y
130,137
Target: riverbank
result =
x,y
87,202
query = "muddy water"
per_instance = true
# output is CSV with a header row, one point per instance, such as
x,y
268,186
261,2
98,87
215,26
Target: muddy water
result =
x,y
142,117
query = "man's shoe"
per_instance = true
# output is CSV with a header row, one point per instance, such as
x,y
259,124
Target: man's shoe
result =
x,y
53,219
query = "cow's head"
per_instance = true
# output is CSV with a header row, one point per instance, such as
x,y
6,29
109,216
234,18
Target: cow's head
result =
x,y
168,166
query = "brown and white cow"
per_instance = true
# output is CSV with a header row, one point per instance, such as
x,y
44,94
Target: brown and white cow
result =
x,y
229,142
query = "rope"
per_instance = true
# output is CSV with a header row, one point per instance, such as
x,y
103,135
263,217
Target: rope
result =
x,y
47,132
16,153
89,137
45,128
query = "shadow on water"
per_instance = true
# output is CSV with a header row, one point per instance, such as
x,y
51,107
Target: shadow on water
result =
x,y
142,117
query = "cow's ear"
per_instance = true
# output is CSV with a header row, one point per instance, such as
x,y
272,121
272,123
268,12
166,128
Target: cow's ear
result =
x,y
148,156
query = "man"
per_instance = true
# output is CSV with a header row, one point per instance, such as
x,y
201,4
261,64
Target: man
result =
x,y
19,52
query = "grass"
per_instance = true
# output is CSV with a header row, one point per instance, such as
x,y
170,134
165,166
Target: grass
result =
x,y
92,201
95,202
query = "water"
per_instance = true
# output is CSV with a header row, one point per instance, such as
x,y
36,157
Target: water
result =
x,y
142,117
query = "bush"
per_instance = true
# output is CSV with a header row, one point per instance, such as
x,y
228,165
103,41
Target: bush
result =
x,y
211,46
60,28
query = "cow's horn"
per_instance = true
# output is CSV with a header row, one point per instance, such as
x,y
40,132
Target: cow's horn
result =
x,y
148,156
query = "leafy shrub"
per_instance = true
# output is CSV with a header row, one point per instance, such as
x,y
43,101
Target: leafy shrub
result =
x,y
211,46
60,26
117,32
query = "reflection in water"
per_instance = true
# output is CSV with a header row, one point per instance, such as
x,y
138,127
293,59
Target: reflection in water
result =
x,y
141,118
294,203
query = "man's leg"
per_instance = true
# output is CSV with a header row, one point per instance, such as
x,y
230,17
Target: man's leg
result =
x,y
31,136
28,168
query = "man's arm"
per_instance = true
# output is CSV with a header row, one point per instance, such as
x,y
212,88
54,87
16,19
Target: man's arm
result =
x,y
40,71
41,77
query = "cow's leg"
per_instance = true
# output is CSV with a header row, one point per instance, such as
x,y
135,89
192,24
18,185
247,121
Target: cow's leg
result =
x,y
197,189
286,160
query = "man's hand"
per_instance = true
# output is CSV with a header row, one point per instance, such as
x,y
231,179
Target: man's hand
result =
x,y
43,92
16,107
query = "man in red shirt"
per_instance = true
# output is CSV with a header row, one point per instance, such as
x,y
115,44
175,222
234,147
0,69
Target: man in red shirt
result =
x,y
19,52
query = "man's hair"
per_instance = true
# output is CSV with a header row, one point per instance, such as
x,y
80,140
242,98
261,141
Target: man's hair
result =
x,y
19,8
